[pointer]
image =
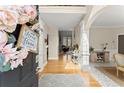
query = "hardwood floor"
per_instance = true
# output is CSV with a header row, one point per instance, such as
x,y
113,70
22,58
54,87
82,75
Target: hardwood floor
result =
x,y
64,66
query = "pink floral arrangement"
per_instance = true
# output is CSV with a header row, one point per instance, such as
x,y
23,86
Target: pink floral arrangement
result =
x,y
10,16
26,13
8,19
13,56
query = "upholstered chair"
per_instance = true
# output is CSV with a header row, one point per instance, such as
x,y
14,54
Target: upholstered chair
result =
x,y
119,61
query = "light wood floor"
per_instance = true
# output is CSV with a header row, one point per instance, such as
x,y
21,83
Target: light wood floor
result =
x,y
64,66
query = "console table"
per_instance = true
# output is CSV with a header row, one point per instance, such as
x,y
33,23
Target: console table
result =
x,y
99,56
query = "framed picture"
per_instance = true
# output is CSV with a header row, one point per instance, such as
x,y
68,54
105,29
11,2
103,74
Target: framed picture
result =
x,y
28,39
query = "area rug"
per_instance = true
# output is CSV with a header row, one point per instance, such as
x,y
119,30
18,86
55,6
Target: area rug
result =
x,y
61,80
111,73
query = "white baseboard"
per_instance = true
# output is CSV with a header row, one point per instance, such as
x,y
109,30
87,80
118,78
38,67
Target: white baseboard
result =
x,y
53,58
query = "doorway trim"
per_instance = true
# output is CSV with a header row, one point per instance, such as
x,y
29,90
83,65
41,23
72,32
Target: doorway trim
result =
x,y
117,40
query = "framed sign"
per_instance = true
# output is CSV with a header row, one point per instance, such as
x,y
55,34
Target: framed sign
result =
x,y
28,39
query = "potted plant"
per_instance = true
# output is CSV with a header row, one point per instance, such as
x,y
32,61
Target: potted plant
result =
x,y
105,46
91,49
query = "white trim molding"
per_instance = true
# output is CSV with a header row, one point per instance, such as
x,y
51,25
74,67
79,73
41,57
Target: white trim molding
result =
x,y
63,9
106,27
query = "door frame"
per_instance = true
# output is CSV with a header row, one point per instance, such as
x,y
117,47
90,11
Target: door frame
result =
x,y
117,40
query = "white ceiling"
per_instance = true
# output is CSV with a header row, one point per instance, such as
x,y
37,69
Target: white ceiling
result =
x,y
112,16
62,18
63,21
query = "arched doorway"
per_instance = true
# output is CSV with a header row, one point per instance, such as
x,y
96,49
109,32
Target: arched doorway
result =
x,y
104,31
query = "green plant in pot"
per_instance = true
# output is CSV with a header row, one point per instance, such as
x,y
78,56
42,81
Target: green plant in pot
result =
x,y
91,49
105,46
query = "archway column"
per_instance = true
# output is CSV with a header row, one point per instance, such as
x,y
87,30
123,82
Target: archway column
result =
x,y
85,26
84,46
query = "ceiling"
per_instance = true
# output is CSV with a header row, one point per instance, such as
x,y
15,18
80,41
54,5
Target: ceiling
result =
x,y
112,16
63,21
63,18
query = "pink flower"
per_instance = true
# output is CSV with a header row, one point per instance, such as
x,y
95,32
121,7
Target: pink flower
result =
x,y
18,58
23,19
22,54
13,56
8,19
3,39
15,64
26,13
30,11
10,16
8,52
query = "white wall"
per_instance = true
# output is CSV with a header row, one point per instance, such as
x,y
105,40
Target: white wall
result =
x,y
77,32
98,36
53,40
